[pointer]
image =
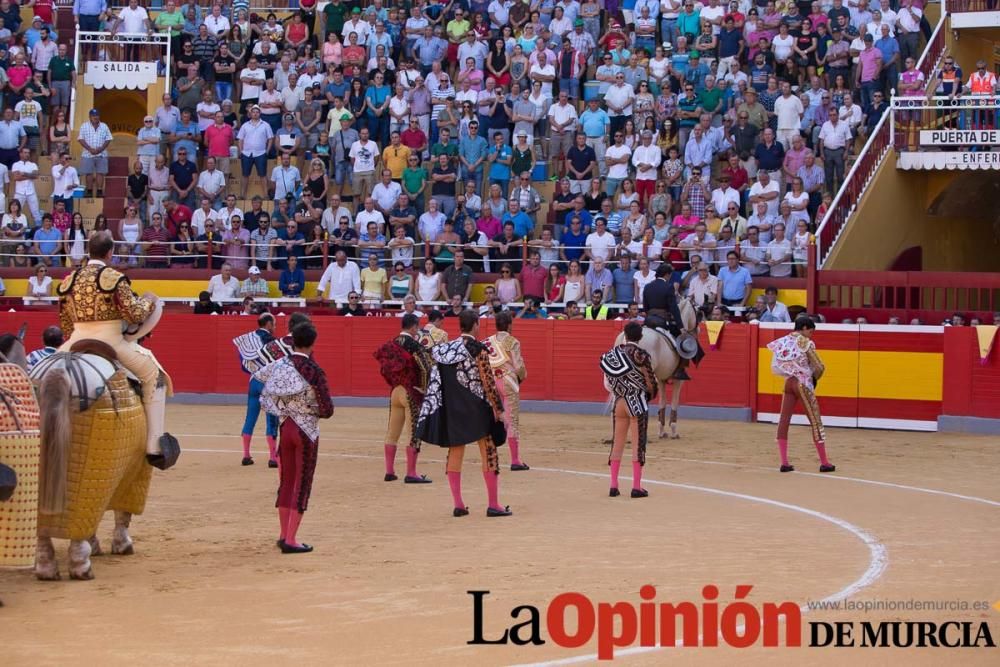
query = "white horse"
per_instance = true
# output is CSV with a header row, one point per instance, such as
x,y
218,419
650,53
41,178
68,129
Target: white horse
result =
x,y
665,361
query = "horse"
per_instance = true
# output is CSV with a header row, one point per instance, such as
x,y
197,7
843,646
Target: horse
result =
x,y
665,361
92,410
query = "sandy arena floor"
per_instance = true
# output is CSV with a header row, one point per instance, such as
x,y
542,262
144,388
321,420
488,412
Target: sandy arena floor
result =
x,y
907,515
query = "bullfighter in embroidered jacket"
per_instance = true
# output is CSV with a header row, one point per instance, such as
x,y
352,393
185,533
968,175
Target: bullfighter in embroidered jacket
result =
x,y
509,372
406,365
462,406
795,358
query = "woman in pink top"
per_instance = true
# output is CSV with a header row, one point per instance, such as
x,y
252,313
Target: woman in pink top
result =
x,y
333,50
508,287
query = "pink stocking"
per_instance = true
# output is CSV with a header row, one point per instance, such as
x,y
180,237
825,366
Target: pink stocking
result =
x,y
246,445
390,459
455,482
616,466
272,448
821,450
515,455
411,461
783,450
292,527
283,513
636,475
492,488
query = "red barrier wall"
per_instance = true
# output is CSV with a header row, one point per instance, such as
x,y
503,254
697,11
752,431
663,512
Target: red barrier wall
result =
x,y
561,358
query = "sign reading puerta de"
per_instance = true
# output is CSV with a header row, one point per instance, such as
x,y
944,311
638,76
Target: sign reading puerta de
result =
x,y
959,137
133,76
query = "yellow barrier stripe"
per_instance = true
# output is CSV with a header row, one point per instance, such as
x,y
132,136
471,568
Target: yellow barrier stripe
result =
x,y
915,376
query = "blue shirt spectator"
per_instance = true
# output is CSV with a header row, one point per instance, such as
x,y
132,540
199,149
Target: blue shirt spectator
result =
x,y
292,280
595,123
624,285
574,243
473,150
297,250
734,281
523,225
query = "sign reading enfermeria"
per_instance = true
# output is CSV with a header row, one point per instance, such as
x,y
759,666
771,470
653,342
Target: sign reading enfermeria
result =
x,y
120,75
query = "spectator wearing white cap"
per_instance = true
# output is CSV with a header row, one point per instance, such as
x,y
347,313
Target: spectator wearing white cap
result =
x,y
254,285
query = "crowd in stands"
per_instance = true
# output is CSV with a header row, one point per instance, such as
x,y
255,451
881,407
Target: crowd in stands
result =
x,y
403,147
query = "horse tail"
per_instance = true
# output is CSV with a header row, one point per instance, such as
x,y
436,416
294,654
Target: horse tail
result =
x,y
56,436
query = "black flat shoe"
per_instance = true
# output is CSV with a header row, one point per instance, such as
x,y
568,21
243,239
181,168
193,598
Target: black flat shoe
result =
x,y
614,492
459,511
519,466
495,512
247,461
301,549
280,542
419,479
787,468
272,464
389,478
828,468
639,493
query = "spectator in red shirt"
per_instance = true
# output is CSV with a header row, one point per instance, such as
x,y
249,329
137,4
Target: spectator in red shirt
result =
x,y
61,218
156,248
176,214
414,138
218,139
533,276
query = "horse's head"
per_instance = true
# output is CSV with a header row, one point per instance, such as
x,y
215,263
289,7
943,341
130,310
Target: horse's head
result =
x,y
12,347
689,315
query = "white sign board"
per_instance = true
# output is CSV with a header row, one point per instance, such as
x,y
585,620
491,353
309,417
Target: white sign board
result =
x,y
984,159
134,76
928,160
959,137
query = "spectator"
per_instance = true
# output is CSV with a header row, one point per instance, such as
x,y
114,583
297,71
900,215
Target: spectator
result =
x,y
456,279
352,306
290,241
205,305
774,310
254,285
94,137
340,278
736,282
262,243
779,253
224,287
40,284
236,244
156,244
182,180
25,173
292,279
47,242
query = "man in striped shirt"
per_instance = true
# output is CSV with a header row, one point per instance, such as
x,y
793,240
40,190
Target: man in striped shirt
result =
x,y
52,338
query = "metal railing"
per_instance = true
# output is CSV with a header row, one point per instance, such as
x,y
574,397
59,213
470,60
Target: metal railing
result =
x,y
876,148
105,47
942,122
256,6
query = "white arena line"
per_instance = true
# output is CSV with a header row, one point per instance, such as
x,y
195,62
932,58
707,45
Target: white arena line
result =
x,y
878,559
654,457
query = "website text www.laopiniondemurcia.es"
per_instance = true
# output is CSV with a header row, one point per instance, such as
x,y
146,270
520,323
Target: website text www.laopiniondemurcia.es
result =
x,y
572,620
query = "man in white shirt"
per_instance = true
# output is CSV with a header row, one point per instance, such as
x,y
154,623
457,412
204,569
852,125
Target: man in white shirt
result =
x,y
211,183
544,72
365,155
724,195
765,190
700,242
646,159
132,20
562,123
704,287
25,172
370,214
619,99
834,137
617,157
788,109
253,78
386,193
340,279
779,253
204,214
254,139
600,243
224,286
851,114
356,24
65,179
216,23
334,212
284,179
